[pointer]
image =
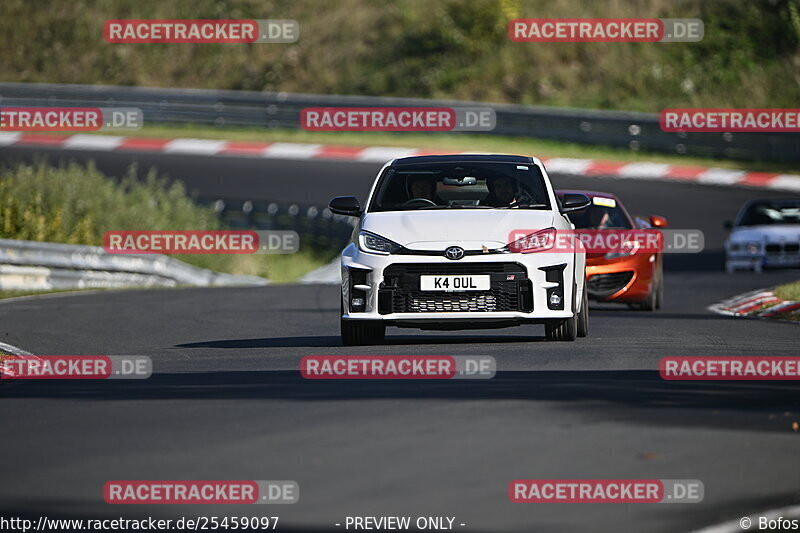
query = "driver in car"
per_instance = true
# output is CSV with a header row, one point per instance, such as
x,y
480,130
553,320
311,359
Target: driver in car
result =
x,y
501,192
599,217
422,187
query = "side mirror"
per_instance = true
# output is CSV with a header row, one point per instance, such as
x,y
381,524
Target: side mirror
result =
x,y
345,205
658,222
574,202
728,224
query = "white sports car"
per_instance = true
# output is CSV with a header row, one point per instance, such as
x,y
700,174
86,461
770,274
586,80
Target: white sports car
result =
x,y
766,234
461,242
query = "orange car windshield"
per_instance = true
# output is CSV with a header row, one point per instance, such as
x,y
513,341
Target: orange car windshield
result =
x,y
600,217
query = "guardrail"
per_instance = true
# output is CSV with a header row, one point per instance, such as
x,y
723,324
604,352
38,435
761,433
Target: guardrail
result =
x,y
278,110
31,265
316,225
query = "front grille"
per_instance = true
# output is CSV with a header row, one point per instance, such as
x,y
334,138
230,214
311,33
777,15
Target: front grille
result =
x,y
510,289
603,285
419,303
787,247
452,268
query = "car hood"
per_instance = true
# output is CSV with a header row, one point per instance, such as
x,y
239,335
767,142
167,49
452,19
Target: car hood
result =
x,y
767,233
469,228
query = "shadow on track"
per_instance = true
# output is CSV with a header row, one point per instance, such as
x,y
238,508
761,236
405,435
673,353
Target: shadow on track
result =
x,y
330,341
629,393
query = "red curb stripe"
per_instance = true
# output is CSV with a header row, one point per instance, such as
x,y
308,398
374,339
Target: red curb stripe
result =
x,y
786,309
755,306
754,301
246,148
684,172
758,179
35,138
144,143
353,153
756,298
331,151
431,152
604,168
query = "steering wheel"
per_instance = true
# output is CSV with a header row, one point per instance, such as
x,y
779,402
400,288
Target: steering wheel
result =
x,y
420,201
523,200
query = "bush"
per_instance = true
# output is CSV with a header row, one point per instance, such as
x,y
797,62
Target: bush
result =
x,y
421,48
77,204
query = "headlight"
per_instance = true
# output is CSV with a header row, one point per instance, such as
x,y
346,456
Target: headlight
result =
x,y
753,248
626,249
369,242
534,242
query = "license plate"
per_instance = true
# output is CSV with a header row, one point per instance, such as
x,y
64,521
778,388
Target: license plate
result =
x,y
455,283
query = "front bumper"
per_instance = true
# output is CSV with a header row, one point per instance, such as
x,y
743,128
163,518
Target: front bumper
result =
x,y
740,261
627,279
771,254
387,289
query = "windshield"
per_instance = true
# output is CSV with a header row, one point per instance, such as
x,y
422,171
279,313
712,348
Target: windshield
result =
x,y
766,213
604,213
461,186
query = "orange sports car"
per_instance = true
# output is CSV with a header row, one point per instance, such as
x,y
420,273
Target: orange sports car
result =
x,y
629,275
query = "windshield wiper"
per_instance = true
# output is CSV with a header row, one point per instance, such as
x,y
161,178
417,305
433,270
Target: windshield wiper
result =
x,y
456,206
524,206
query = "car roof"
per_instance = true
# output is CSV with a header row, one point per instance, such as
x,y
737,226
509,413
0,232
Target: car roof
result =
x,y
777,201
463,158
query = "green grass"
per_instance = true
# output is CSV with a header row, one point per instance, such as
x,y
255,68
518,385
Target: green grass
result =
x,y
290,268
78,204
18,294
419,48
790,291
455,142
7,294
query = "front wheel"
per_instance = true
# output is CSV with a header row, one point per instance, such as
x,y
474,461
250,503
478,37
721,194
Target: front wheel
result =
x,y
562,330
361,332
660,292
583,317
653,300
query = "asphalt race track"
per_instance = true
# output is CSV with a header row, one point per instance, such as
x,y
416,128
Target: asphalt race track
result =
x,y
227,401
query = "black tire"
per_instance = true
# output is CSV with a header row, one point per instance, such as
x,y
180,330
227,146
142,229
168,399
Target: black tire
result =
x,y
651,302
660,291
583,317
562,330
361,332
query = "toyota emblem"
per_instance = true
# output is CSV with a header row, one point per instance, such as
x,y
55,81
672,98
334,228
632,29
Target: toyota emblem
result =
x,y
454,252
